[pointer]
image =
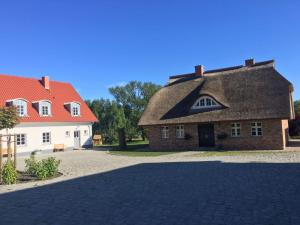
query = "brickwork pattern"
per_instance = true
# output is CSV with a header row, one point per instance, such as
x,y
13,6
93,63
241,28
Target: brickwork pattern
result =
x,y
275,134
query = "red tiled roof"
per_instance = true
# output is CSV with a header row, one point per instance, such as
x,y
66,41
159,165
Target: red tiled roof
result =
x,y
30,89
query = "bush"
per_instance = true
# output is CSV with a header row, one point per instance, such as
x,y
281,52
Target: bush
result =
x,y
51,165
30,165
42,169
222,136
9,173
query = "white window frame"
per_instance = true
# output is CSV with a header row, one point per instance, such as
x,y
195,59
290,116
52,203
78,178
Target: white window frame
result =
x,y
46,140
21,106
20,110
21,140
164,132
235,130
75,111
205,102
45,110
256,129
180,132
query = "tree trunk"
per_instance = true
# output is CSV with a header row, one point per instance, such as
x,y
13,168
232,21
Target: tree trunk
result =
x,y
122,139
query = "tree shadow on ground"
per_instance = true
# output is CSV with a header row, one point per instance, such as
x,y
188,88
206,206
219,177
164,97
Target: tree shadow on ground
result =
x,y
208,193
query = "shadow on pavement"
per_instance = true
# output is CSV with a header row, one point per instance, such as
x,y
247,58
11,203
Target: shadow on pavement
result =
x,y
208,193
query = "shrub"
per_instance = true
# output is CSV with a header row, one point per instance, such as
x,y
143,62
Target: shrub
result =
x,y
51,166
42,169
9,173
30,165
222,136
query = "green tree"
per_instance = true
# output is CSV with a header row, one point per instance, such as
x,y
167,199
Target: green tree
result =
x,y
297,108
134,97
111,118
8,118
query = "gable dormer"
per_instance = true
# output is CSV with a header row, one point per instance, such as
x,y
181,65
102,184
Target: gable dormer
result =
x,y
20,104
43,107
73,108
205,102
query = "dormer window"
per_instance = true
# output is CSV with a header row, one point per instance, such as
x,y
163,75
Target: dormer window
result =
x,y
205,102
73,108
20,104
43,107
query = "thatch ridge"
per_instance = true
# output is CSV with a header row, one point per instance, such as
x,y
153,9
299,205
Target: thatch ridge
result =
x,y
255,92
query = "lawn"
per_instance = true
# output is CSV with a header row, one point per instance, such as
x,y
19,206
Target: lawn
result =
x,y
135,148
235,153
138,153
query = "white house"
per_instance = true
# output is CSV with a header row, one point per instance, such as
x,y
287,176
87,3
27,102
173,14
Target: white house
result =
x,y
50,113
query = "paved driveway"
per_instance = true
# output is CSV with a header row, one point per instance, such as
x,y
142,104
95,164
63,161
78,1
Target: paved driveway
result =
x,y
168,190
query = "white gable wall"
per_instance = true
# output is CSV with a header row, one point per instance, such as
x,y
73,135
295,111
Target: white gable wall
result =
x,y
34,135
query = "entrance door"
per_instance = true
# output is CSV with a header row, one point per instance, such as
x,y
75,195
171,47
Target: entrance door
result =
x,y
77,139
206,135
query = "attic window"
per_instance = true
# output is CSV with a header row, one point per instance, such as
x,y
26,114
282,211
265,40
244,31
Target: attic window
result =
x,y
73,108
43,107
21,106
205,102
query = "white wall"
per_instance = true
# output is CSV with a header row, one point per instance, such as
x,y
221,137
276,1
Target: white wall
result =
x,y
34,132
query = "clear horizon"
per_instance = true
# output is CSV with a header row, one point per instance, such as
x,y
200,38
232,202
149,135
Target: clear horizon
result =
x,y
98,44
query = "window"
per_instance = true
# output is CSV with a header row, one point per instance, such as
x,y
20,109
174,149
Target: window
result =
x,y
205,102
21,106
46,138
235,129
45,111
20,110
75,109
164,132
44,108
67,134
21,139
256,129
180,131
85,132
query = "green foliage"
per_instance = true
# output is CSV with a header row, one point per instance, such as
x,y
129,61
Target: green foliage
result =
x,y
42,169
8,117
51,166
111,118
125,112
30,165
222,136
134,97
9,173
294,125
297,108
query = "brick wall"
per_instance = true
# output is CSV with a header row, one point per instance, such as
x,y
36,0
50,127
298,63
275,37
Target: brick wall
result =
x,y
272,138
275,134
172,143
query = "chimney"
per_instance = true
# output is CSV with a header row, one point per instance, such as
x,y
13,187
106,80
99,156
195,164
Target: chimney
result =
x,y
46,82
199,70
249,62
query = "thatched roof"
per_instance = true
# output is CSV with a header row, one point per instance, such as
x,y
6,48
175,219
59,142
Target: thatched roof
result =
x,y
245,92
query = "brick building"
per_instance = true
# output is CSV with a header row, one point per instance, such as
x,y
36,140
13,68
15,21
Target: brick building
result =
x,y
241,107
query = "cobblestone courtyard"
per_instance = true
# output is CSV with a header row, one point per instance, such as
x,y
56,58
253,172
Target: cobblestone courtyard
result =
x,y
98,188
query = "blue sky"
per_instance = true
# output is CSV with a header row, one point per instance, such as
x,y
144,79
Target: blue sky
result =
x,y
97,44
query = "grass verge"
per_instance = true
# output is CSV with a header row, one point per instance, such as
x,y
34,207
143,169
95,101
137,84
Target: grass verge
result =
x,y
235,153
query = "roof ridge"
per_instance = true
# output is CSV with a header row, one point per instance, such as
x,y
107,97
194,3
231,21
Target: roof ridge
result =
x,y
224,69
31,78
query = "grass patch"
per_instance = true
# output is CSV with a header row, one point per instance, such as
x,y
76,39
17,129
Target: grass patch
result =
x,y
136,148
235,153
138,153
